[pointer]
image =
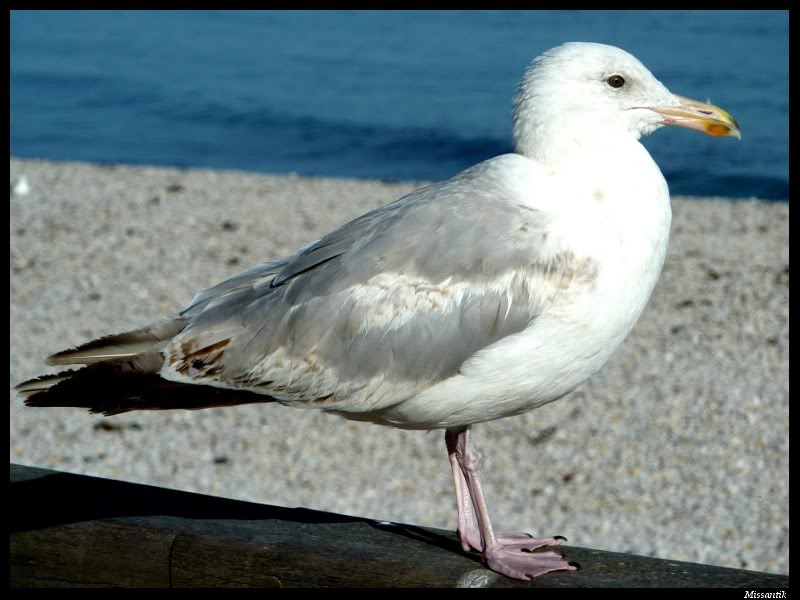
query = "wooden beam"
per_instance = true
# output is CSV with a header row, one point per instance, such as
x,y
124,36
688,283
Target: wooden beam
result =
x,y
76,531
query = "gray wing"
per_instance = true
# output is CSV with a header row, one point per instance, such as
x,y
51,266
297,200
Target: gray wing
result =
x,y
242,287
383,307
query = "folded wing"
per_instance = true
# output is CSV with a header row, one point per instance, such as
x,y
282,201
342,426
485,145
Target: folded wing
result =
x,y
385,306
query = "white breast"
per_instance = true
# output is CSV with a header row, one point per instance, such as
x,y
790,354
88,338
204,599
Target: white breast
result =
x,y
627,236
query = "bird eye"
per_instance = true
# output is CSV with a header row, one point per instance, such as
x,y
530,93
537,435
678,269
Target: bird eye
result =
x,y
616,81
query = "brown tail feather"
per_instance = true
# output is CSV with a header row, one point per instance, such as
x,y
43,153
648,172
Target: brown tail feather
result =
x,y
119,386
41,384
121,345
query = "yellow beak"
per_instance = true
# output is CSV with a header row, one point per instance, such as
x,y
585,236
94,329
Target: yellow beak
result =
x,y
701,116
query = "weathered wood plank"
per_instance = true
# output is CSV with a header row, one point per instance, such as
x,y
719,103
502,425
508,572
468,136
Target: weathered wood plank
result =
x,y
86,554
77,531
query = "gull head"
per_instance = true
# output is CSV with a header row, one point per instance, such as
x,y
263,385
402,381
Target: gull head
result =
x,y
583,92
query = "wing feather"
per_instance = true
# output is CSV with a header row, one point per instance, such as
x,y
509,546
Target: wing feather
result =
x,y
385,306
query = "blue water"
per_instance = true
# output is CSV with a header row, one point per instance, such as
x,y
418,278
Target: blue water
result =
x,y
389,95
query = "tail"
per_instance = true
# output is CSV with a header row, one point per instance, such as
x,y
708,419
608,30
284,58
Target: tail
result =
x,y
121,345
122,375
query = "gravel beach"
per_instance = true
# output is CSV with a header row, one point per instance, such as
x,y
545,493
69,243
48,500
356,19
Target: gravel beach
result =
x,y
678,448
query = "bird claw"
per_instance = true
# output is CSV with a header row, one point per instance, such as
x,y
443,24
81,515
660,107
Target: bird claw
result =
x,y
520,562
523,542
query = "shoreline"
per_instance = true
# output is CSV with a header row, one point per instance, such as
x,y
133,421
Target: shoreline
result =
x,y
293,174
678,448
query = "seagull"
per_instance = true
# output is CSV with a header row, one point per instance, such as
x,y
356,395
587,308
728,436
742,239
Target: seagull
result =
x,y
477,298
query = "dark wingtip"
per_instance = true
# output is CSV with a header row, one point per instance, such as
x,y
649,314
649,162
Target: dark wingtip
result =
x,y
53,358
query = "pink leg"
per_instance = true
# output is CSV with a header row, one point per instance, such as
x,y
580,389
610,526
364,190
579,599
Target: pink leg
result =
x,y
468,533
510,554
